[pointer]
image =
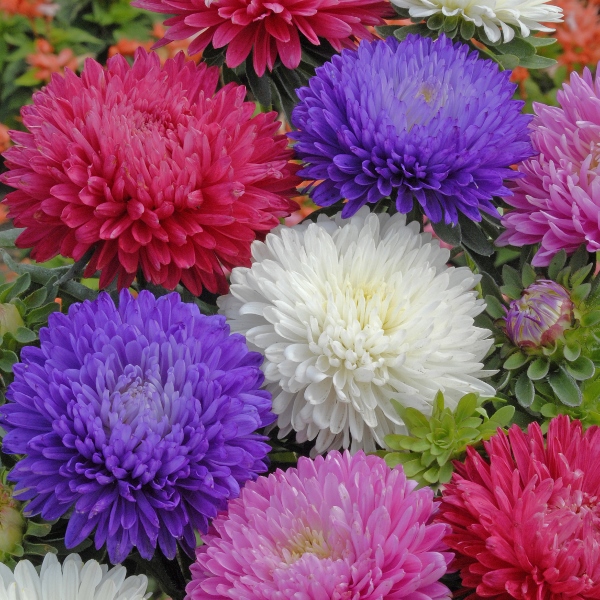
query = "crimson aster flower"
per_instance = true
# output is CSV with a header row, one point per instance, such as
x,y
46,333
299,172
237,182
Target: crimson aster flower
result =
x,y
148,168
526,523
336,528
268,29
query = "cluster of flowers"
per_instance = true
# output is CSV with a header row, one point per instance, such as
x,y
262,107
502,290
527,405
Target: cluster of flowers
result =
x,y
139,421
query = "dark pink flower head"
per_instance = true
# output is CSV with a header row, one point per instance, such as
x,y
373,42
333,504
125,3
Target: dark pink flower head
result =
x,y
337,528
152,169
266,28
556,204
526,524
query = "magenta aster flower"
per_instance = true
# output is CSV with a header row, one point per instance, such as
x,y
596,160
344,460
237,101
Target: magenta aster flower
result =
x,y
268,29
151,169
540,315
557,202
526,524
341,527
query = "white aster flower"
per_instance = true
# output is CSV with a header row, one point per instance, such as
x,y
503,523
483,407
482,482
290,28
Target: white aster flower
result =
x,y
495,16
74,580
351,313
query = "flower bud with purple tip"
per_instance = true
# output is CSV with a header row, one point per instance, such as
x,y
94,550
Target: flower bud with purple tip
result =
x,y
540,316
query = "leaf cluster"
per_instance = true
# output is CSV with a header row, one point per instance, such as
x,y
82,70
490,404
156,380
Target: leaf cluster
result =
x,y
426,454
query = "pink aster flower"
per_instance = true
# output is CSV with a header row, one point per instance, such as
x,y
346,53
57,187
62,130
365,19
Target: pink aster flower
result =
x,y
337,528
266,28
526,524
557,202
146,167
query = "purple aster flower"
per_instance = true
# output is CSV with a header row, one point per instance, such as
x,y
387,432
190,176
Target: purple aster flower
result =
x,y
540,315
140,419
419,119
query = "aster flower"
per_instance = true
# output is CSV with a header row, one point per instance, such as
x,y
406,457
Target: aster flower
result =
x,y
337,527
268,29
556,202
351,314
498,18
140,419
72,579
540,315
419,119
147,168
526,524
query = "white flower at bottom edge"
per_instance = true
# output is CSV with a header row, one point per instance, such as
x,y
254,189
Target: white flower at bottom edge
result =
x,y
351,313
73,580
495,16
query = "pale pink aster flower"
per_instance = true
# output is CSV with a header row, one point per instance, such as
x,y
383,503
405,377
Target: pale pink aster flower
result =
x,y
557,202
337,528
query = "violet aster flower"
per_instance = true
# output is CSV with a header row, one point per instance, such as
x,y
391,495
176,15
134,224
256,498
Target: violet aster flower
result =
x,y
341,527
140,418
419,119
540,316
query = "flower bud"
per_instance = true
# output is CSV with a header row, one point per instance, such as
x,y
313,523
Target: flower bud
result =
x,y
540,316
12,522
10,319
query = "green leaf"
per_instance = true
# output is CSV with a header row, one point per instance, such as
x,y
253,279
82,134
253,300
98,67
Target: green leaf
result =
x,y
21,284
591,318
581,292
507,61
538,369
451,234
511,277
402,32
466,408
495,308
474,238
524,390
538,42
23,335
556,264
565,388
8,237
528,275
580,275
537,62
517,46
514,293
572,350
451,23
28,79
36,298
386,31
436,21
412,418
467,30
515,361
431,475
503,416
396,441
580,369
7,360
259,86
40,315
549,411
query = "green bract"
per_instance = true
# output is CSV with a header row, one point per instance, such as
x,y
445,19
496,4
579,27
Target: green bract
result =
x,y
427,453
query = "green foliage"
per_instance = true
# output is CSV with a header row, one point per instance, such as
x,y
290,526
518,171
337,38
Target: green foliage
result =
x,y
562,378
427,453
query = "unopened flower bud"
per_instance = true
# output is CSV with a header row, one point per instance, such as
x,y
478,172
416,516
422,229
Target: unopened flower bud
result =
x,y
12,522
10,319
540,316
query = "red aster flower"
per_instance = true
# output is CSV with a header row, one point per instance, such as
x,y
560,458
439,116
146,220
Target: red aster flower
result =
x,y
268,28
526,524
151,169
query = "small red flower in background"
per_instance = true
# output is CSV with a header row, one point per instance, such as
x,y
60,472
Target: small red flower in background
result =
x,y
148,168
268,29
28,8
526,524
45,61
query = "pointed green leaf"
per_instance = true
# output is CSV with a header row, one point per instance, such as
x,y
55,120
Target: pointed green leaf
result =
x,y
465,408
445,473
556,264
528,275
9,236
495,308
537,62
591,318
538,42
502,417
